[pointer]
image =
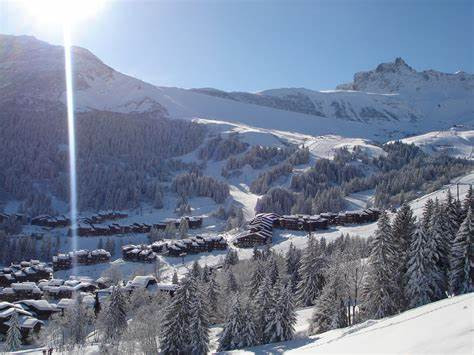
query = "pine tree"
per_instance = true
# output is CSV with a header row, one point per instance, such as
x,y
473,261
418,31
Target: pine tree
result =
x,y
13,341
257,277
468,202
196,270
418,291
440,254
311,275
115,319
199,324
403,229
453,216
231,336
380,287
249,332
231,285
183,228
263,304
462,258
231,258
282,316
293,261
205,274
330,311
273,272
176,331
175,279
426,219
213,296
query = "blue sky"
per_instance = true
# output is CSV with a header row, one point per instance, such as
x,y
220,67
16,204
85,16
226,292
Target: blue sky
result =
x,y
256,45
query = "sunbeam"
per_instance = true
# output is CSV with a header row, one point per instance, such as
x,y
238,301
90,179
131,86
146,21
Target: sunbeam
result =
x,y
71,137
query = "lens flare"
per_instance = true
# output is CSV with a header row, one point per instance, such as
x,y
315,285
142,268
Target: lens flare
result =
x,y
71,138
66,13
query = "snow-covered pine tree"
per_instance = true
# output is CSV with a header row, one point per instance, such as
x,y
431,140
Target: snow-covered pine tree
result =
x,y
13,340
263,303
380,286
205,274
282,317
249,332
418,290
231,336
213,297
231,258
311,275
293,261
453,216
273,272
196,270
199,324
403,229
175,279
330,311
183,228
115,317
257,277
176,330
462,258
442,245
426,219
468,202
231,285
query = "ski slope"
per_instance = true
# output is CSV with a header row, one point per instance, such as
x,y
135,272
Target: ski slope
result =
x,y
453,142
443,327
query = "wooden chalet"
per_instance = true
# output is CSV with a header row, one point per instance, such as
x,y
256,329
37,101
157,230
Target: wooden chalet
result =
x,y
83,257
20,291
138,253
40,309
25,271
28,323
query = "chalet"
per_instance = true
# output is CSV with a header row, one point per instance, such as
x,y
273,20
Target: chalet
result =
x,y
140,253
84,257
140,282
40,309
20,291
32,270
252,238
62,262
28,323
159,247
194,222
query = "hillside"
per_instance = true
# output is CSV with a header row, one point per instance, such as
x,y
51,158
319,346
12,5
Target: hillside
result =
x,y
454,142
31,70
443,327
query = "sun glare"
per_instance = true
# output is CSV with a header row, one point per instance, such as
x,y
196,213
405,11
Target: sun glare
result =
x,y
68,12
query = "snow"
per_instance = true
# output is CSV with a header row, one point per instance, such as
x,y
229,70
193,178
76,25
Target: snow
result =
x,y
443,327
391,101
453,142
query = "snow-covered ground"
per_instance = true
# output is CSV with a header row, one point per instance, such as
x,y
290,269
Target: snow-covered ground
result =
x,y
443,327
454,142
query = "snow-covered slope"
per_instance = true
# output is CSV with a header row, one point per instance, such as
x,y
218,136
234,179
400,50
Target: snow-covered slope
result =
x,y
31,69
443,327
453,142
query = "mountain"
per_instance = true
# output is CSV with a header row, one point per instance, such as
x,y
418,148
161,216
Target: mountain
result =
x,y
391,101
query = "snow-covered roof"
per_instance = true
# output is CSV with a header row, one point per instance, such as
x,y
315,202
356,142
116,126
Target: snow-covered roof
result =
x,y
41,305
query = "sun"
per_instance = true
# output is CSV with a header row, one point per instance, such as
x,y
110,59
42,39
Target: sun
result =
x,y
65,12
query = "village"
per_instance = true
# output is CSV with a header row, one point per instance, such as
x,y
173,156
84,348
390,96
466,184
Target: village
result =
x,y
30,289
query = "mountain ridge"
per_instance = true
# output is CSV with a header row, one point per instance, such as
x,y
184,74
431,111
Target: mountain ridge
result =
x,y
33,69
